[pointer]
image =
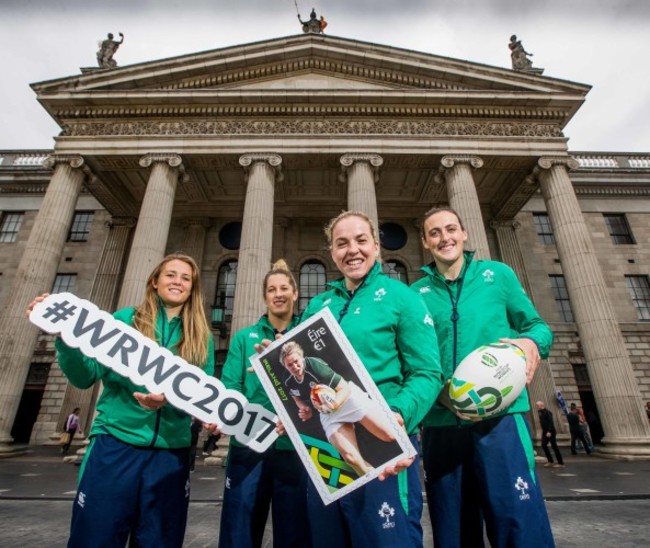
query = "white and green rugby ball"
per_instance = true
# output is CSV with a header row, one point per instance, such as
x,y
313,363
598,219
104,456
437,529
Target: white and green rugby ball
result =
x,y
488,380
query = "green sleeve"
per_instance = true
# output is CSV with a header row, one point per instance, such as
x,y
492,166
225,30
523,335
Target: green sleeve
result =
x,y
80,370
525,319
422,373
234,370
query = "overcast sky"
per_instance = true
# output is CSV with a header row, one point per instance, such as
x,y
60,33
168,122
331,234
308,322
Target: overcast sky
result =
x,y
602,43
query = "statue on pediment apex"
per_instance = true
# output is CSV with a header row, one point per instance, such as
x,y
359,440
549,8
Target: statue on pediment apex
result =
x,y
107,49
314,25
519,55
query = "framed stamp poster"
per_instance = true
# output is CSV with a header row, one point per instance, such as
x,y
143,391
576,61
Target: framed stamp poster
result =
x,y
339,423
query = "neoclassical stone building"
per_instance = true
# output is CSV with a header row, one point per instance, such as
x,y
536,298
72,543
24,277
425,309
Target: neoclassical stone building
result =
x,y
240,155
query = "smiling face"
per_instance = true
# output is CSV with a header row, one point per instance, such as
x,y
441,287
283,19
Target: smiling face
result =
x,y
280,296
174,284
445,239
354,249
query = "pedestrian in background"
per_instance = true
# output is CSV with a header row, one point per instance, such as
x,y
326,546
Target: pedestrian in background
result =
x,y
549,435
576,430
71,427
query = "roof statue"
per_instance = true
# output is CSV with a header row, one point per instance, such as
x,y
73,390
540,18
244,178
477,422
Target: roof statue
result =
x,y
520,57
314,25
107,49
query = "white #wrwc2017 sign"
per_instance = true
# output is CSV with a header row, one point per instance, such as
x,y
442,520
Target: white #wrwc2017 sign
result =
x,y
126,351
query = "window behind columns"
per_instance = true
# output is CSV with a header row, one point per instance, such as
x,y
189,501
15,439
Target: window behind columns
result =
x,y
618,228
9,226
225,294
312,282
64,282
639,287
396,270
561,295
80,228
544,228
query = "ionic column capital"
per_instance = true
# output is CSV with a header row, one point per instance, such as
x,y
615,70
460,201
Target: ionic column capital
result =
x,y
74,160
349,159
126,222
547,162
505,223
272,159
450,161
170,158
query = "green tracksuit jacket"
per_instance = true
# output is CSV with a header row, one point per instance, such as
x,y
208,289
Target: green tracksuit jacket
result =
x,y
118,412
393,335
491,304
235,375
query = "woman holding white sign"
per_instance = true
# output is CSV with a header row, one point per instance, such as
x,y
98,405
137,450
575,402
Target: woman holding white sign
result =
x,y
275,478
393,335
134,480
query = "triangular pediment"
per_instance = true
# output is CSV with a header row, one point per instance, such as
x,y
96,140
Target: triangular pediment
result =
x,y
295,61
309,69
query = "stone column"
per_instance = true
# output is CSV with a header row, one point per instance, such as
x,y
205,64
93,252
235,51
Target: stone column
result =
x,y
256,237
627,433
361,171
461,191
103,294
35,275
195,232
150,238
543,386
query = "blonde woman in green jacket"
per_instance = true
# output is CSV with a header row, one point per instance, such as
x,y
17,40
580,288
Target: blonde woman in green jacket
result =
x,y
391,331
134,480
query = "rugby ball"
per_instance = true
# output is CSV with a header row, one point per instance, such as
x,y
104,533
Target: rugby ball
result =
x,y
488,380
323,398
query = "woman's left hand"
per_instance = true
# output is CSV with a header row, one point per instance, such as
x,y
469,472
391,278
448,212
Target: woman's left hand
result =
x,y
151,402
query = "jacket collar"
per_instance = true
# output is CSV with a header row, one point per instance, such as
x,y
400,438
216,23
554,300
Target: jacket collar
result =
x,y
431,270
339,284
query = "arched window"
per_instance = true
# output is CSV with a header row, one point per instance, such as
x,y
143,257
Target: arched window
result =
x,y
395,270
225,294
312,282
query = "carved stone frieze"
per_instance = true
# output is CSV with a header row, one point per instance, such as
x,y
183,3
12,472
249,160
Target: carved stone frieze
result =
x,y
313,127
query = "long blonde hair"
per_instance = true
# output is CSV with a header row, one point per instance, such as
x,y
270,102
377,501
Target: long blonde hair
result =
x,y
193,346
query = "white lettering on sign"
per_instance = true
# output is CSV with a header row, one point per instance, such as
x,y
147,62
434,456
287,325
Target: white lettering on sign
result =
x,y
128,352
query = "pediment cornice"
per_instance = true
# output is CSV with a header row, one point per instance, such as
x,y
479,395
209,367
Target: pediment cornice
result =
x,y
395,68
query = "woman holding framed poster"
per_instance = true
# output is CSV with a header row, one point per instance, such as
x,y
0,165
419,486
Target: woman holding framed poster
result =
x,y
391,331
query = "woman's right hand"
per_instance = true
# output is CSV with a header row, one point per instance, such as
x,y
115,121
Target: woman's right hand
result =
x,y
37,300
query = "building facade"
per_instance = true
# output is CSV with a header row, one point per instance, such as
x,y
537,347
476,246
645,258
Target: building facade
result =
x,y
239,156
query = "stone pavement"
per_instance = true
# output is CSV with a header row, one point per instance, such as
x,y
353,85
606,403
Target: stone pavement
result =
x,y
592,500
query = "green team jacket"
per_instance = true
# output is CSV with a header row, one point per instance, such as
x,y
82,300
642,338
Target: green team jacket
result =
x,y
235,375
490,304
118,412
392,332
